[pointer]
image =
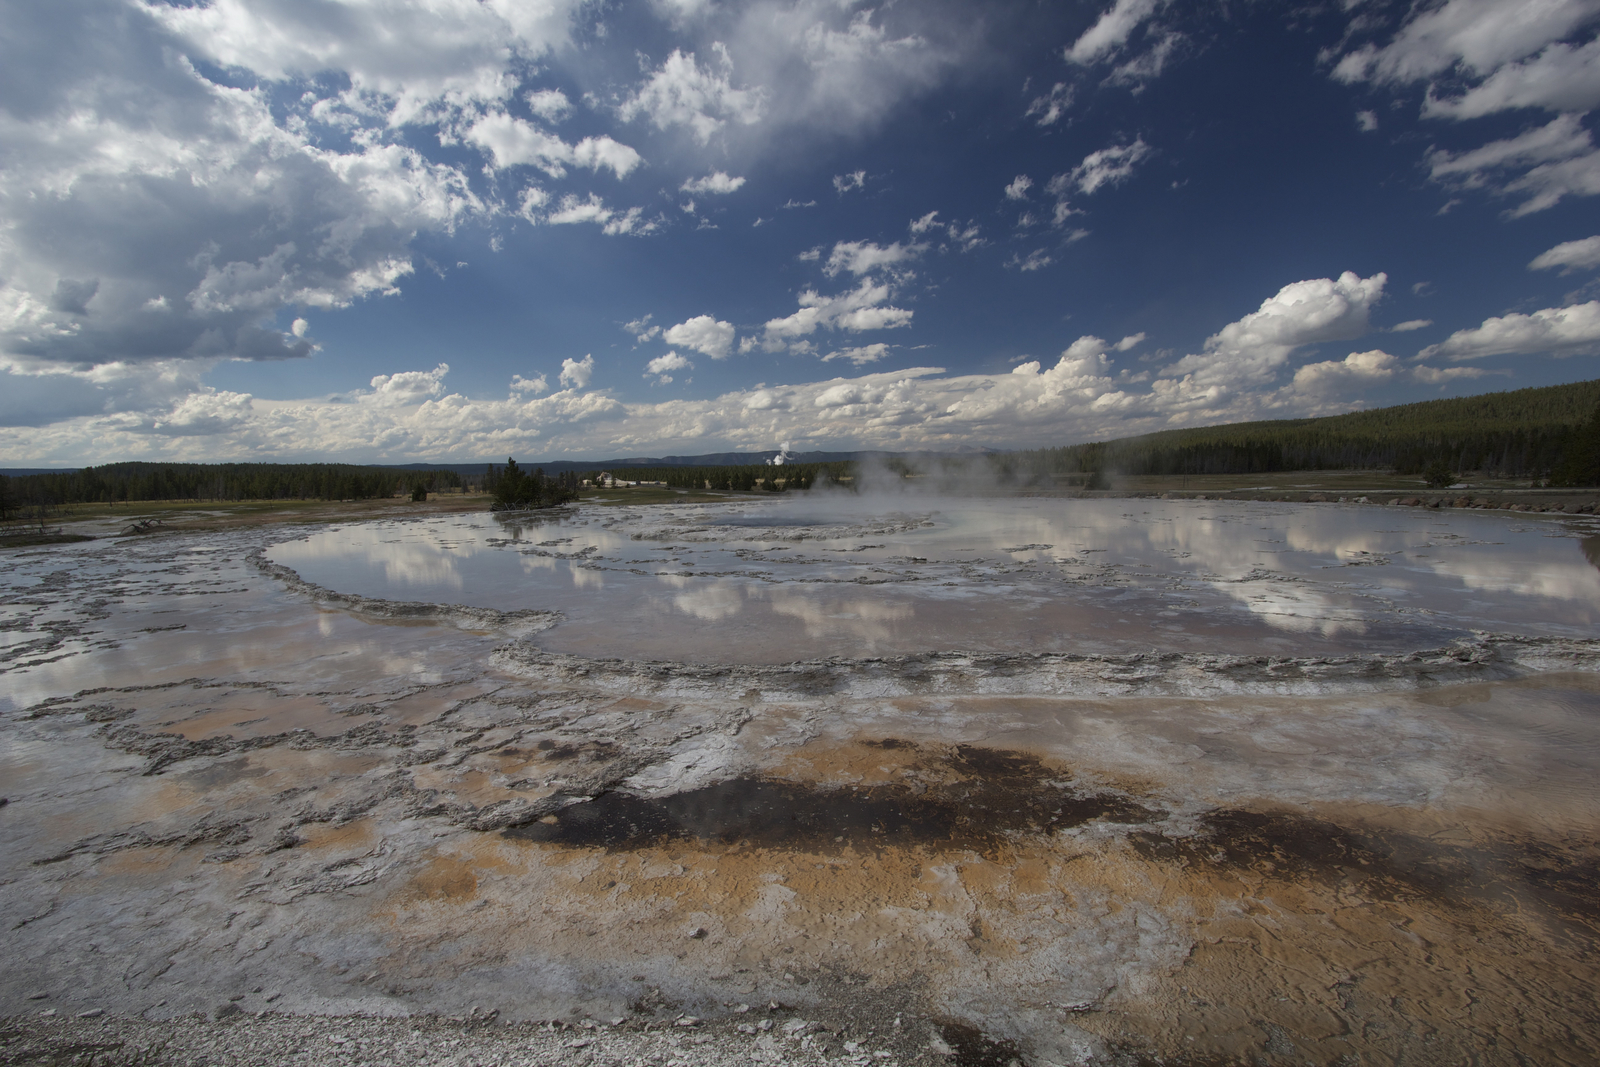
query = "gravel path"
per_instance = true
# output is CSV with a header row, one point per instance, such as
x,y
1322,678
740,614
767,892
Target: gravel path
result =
x,y
761,1036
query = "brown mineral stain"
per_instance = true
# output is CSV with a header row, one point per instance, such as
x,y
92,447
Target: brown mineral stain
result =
x,y
443,878
350,837
144,865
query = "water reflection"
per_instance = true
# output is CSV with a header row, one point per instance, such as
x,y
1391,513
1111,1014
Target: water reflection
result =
x,y
841,576
716,598
866,621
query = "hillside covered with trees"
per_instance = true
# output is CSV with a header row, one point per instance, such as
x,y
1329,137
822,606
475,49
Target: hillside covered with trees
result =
x,y
1549,432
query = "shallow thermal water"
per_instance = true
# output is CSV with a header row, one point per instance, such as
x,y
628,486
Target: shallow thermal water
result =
x,y
1178,782
803,578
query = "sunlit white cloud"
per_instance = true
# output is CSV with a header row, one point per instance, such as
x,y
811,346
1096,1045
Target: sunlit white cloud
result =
x,y
1554,331
716,182
1251,350
1544,165
1110,32
1480,35
683,92
409,387
843,183
1484,57
551,105
1341,379
704,334
409,54
863,308
1078,395
1561,78
575,373
1108,166
1108,39
860,355
863,257
662,368
1049,108
511,142
1570,256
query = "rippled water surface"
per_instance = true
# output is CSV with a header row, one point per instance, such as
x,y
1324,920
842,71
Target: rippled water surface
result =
x,y
808,577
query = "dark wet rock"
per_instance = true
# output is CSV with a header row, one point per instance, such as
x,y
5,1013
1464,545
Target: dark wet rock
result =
x,y
997,795
970,1047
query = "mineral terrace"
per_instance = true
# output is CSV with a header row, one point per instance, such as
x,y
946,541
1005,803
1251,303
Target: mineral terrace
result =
x,y
731,785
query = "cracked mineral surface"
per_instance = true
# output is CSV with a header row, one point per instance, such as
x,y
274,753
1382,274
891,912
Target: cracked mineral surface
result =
x,y
1066,782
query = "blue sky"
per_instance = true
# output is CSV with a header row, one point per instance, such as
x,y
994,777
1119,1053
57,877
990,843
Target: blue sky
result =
x,y
444,230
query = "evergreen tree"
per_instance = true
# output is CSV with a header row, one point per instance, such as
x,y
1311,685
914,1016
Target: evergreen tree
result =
x,y
1581,464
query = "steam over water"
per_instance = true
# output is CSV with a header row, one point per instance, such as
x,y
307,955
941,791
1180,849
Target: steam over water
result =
x,y
1113,782
808,578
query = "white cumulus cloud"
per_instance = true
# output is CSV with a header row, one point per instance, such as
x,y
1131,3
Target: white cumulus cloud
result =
x,y
551,105
510,142
862,257
684,93
1358,368
1557,331
862,308
411,416
575,373
409,387
409,54
1251,350
662,367
704,334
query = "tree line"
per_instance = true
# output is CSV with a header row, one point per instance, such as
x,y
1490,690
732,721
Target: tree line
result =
x,y
129,482
748,477
1549,433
